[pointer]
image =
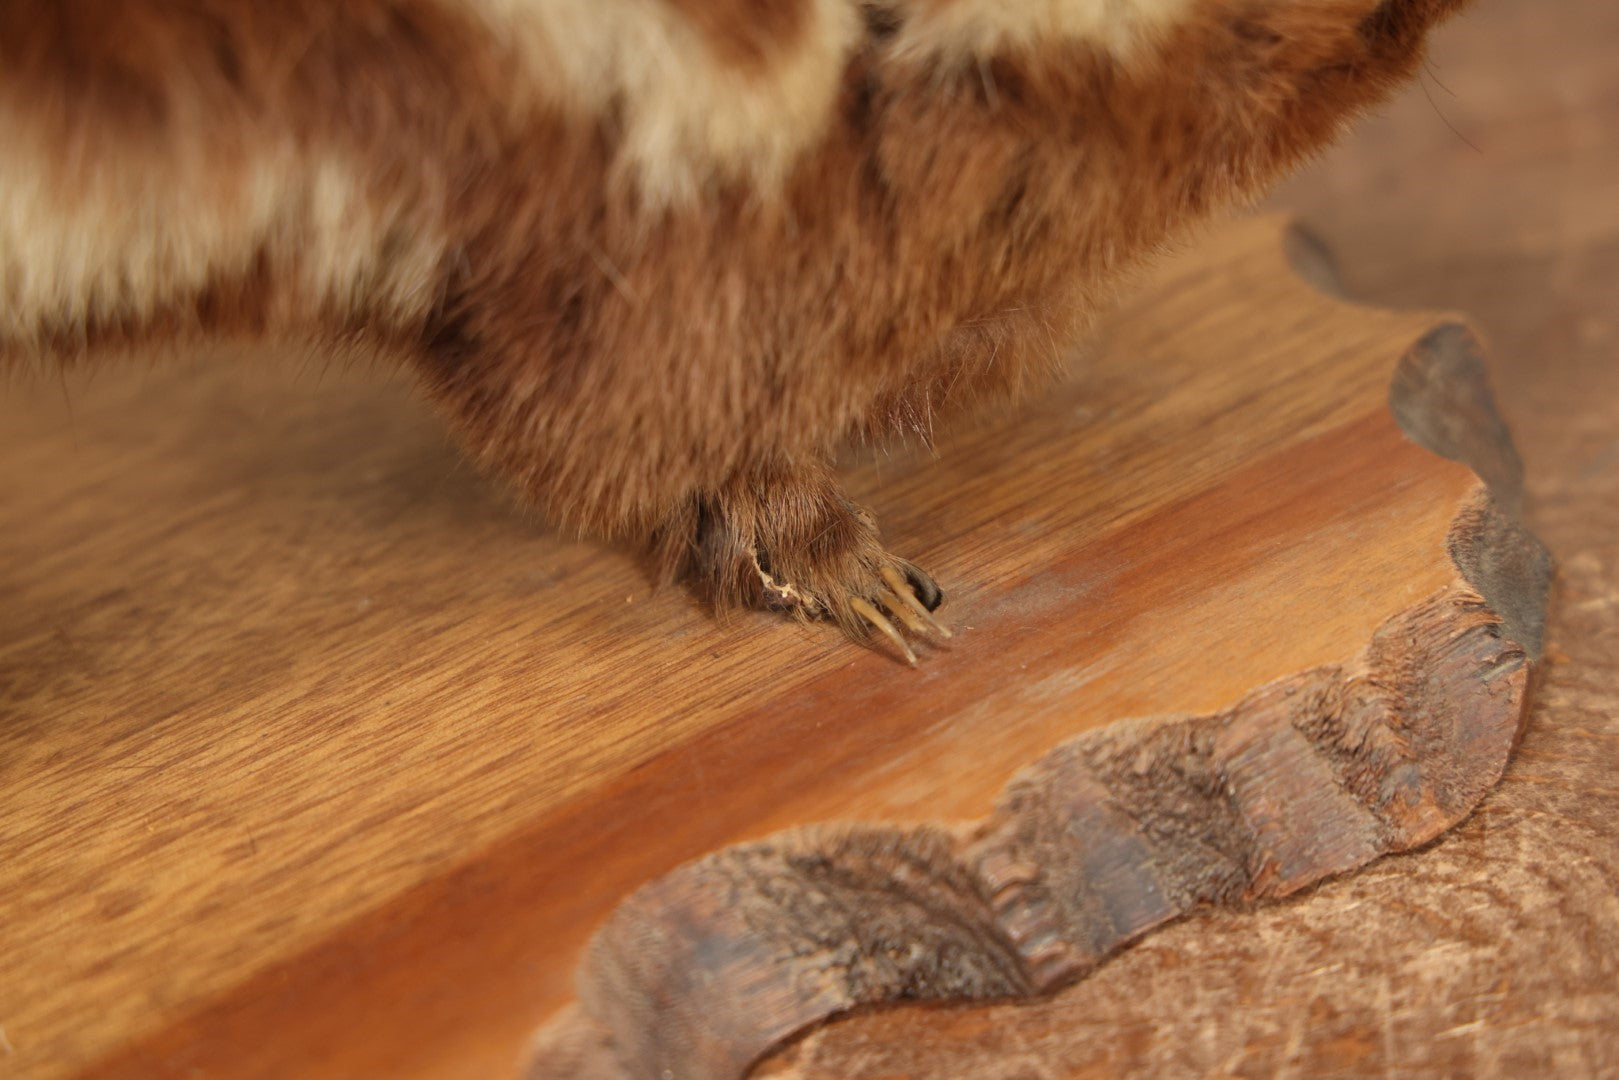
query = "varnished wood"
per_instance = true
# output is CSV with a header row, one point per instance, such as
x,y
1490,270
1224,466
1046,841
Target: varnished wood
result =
x,y
307,732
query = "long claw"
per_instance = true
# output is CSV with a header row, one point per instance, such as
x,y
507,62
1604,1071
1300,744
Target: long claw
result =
x,y
864,609
896,607
902,589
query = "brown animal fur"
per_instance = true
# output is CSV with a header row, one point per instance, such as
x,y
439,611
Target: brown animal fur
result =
x,y
657,260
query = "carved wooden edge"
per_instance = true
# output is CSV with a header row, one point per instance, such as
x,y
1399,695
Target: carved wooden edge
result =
x,y
1109,835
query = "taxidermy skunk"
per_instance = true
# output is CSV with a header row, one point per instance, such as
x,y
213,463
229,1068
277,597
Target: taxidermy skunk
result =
x,y
656,261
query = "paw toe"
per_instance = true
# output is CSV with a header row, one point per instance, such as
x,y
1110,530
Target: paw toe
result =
x,y
923,587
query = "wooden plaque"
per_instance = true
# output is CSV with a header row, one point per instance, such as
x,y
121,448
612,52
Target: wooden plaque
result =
x,y
320,760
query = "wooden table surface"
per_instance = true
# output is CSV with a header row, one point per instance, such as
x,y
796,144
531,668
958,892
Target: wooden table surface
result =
x,y
1493,188
1493,952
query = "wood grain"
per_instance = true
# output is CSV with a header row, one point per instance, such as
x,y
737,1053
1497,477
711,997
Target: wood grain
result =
x,y
306,732
1495,952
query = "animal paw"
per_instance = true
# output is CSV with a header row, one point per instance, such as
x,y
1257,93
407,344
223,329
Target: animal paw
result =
x,y
898,607
800,547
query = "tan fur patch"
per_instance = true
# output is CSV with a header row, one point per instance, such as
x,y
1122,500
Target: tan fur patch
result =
x,y
690,110
119,238
956,30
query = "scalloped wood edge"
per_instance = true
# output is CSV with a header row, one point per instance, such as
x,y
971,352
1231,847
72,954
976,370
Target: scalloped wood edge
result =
x,y
1109,835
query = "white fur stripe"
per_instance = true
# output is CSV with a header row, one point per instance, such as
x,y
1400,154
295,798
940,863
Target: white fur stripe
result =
x,y
955,30
688,116
123,234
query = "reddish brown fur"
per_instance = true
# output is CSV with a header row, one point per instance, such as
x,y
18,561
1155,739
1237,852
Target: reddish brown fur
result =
x,y
682,377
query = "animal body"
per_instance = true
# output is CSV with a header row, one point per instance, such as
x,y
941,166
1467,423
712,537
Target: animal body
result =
x,y
656,261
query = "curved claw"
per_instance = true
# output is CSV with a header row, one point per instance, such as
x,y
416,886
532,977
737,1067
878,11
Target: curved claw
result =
x,y
865,610
896,607
902,591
